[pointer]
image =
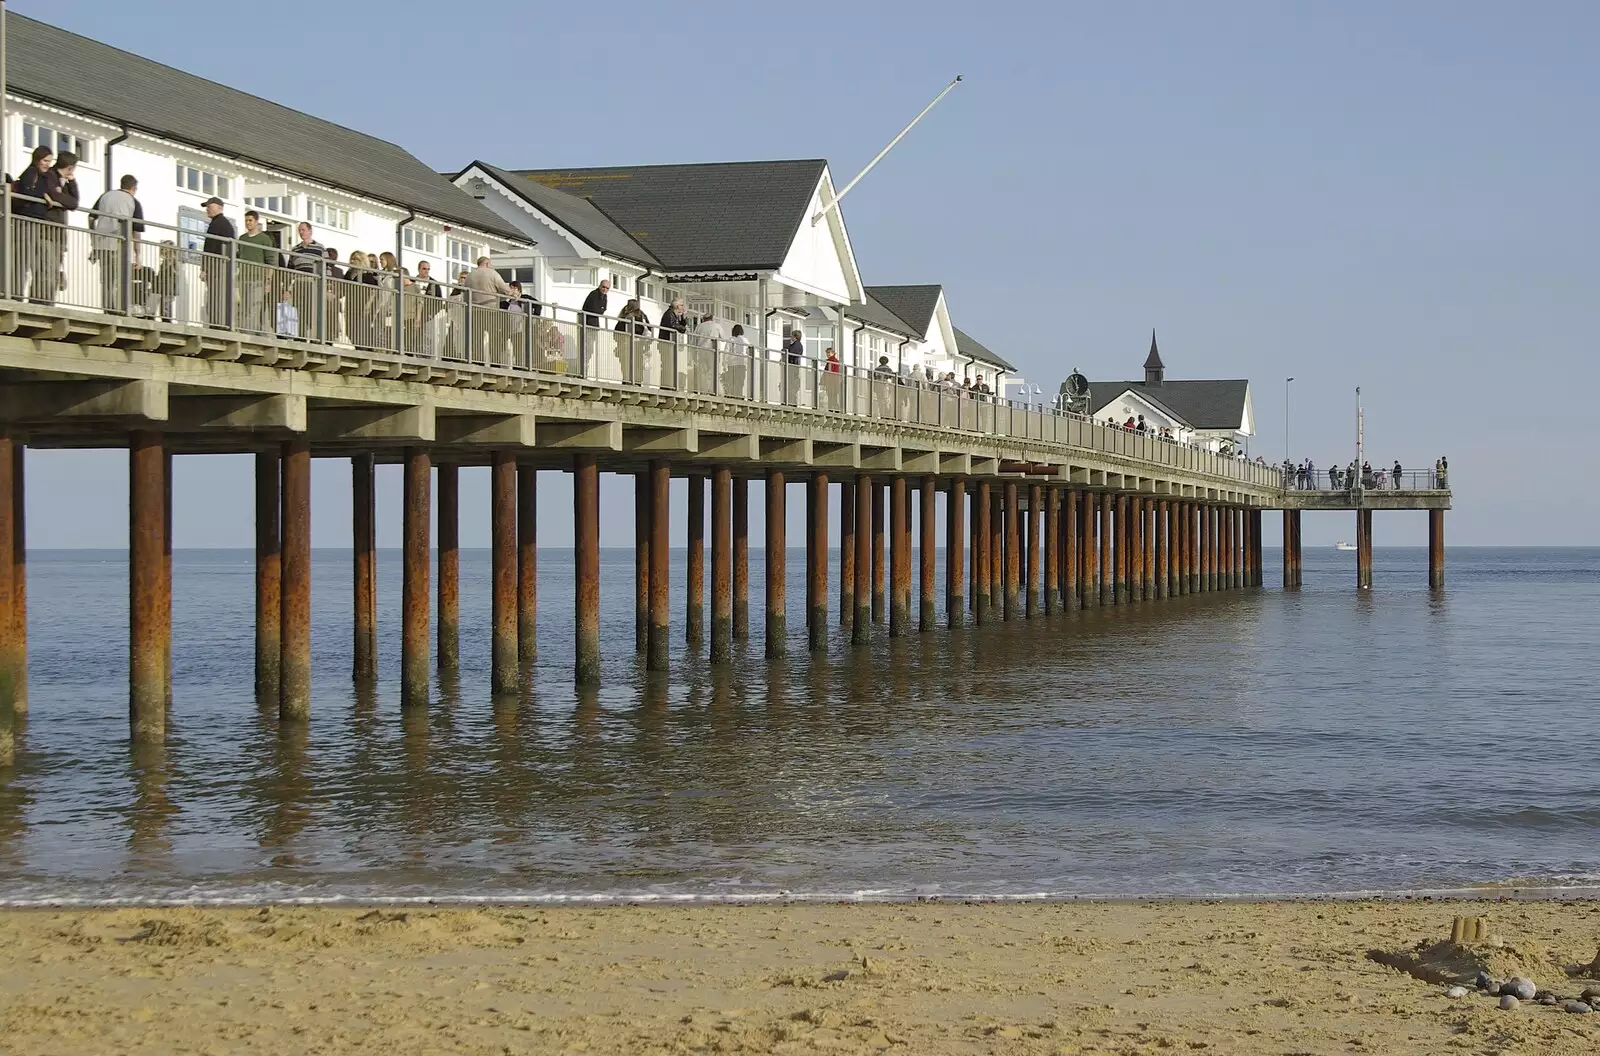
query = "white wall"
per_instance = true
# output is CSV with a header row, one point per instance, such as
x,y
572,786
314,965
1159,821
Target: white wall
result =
x,y
813,263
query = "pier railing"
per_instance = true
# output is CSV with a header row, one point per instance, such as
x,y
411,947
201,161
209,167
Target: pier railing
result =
x,y
1377,480
165,274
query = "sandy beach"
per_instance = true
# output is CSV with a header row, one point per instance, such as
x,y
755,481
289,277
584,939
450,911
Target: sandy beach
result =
x,y
920,978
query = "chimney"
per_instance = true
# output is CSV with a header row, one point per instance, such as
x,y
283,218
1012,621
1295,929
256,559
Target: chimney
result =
x,y
1154,370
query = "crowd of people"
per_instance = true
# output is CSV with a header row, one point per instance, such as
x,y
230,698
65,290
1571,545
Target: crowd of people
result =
x,y
1140,426
1304,476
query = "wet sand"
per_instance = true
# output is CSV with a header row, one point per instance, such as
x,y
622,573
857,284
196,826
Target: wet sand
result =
x,y
935,978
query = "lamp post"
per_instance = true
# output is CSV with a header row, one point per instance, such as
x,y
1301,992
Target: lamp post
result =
x,y
1286,382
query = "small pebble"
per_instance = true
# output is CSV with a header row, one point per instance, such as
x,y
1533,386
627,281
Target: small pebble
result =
x,y
1519,987
1483,981
1546,999
1456,992
1508,1002
1590,994
1575,1006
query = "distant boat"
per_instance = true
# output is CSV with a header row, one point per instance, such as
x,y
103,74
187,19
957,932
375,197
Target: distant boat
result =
x,y
1342,545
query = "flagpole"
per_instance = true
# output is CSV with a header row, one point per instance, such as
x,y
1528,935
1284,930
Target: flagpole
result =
x,y
1359,438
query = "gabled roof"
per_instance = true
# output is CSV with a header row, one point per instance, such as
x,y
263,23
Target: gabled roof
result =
x,y
75,73
969,346
873,313
577,215
914,304
1203,404
724,217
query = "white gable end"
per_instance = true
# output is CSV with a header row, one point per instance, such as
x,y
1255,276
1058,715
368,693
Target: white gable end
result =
x,y
819,260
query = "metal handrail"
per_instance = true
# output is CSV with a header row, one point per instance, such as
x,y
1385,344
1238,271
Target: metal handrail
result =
x,y
1380,479
392,312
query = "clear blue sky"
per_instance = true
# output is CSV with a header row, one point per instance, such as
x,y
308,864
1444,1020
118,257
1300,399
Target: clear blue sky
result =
x,y
1399,196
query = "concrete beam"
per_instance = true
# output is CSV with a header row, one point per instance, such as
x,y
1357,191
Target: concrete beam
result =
x,y
238,412
725,447
41,401
882,460
516,430
586,436
985,467
920,462
786,449
373,423
835,456
955,465
685,440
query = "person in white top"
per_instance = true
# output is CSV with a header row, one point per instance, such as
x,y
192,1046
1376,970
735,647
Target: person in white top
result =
x,y
708,339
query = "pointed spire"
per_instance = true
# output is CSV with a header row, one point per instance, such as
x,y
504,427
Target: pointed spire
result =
x,y
1154,370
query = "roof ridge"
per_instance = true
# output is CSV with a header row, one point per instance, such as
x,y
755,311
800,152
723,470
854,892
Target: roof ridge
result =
x,y
673,165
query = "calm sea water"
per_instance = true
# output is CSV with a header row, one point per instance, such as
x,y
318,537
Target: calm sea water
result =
x,y
1327,740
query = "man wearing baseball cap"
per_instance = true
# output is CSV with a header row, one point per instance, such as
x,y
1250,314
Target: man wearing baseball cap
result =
x,y
215,265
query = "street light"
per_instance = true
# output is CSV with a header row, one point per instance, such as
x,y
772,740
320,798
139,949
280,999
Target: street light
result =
x,y
1286,382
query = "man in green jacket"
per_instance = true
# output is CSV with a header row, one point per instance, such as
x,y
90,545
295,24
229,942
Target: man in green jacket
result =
x,y
258,256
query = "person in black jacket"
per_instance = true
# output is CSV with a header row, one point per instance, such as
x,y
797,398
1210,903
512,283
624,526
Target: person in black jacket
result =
x,y
214,265
34,257
594,305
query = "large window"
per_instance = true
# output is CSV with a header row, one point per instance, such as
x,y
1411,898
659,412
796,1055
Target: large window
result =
x,y
321,214
572,276
462,254
277,204
619,282
43,135
202,182
421,241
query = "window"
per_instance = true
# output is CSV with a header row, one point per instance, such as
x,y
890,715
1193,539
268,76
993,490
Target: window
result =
x,y
619,282
573,276
202,182
282,205
729,312
648,290
522,275
421,241
321,214
44,136
463,253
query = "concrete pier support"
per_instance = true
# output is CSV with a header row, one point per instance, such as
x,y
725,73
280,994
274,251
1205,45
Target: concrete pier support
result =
x,y
1194,522
1162,567
1136,554
415,548
847,553
1208,549
927,555
1088,568
147,586
861,626
1108,564
364,580
1255,548
899,558
527,564
1435,548
294,688
19,578
1149,529
997,552
8,713
955,602
1070,600
1237,548
1291,549
817,562
880,497
1364,549
694,613
503,572
641,562
1013,552
586,569
269,576
1032,569
447,516
721,565
741,557
777,565
1051,591
982,552
1119,544
658,643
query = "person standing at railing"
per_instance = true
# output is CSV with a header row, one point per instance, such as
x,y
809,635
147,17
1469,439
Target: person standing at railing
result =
x,y
736,366
673,331
258,260
708,339
485,290
1397,474
633,334
1311,475
29,261
116,225
308,259
214,265
427,305
392,279
63,200
594,310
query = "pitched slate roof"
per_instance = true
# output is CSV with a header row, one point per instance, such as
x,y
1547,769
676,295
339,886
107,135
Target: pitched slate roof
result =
x,y
873,313
75,73
914,304
578,215
728,217
970,347
1203,404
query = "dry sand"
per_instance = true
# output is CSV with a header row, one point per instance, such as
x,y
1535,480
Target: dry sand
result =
x,y
918,979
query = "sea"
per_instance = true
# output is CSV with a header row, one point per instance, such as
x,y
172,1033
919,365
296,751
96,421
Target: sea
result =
x,y
1257,743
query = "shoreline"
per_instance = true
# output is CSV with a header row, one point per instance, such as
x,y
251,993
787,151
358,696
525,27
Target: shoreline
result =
x,y
934,977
